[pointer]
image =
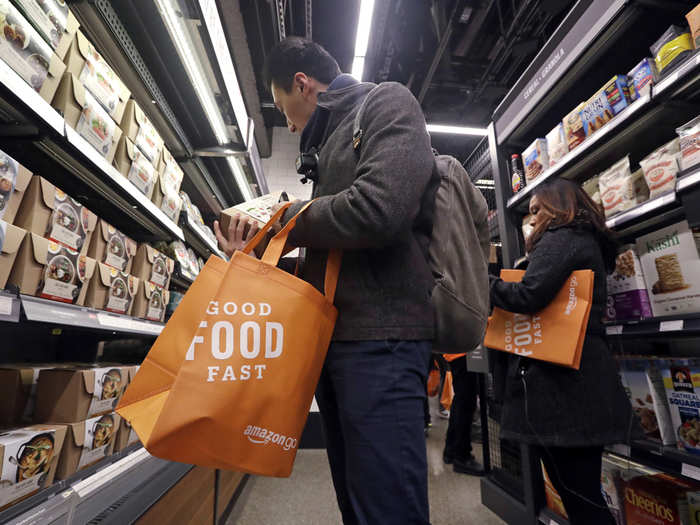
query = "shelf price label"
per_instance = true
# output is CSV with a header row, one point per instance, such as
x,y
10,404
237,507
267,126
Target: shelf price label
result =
x,y
671,326
613,330
621,449
690,471
6,305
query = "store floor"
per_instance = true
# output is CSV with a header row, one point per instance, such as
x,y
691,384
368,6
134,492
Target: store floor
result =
x,y
307,497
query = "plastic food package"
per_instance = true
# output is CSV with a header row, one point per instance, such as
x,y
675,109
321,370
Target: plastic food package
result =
x,y
573,127
660,168
617,190
689,135
591,188
641,190
673,46
641,78
557,146
535,159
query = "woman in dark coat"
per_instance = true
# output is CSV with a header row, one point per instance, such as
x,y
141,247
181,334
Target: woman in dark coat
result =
x,y
568,415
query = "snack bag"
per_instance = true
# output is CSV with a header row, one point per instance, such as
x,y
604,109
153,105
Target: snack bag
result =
x,y
660,168
617,189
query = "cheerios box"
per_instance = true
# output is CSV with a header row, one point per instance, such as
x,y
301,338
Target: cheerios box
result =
x,y
671,268
111,247
682,383
46,269
72,394
627,290
30,457
111,290
49,212
87,442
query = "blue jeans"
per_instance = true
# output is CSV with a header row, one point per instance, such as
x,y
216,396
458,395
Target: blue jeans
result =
x,y
371,396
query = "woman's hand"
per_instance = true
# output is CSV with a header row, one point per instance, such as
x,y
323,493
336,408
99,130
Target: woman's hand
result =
x,y
236,237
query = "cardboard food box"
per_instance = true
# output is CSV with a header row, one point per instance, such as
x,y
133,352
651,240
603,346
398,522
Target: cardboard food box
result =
x,y
671,268
168,202
18,384
605,104
693,18
14,179
112,247
682,383
30,457
134,165
93,72
535,159
150,302
125,436
83,113
46,269
627,291
68,394
182,260
87,442
152,266
552,497
557,146
111,290
25,51
140,130
170,172
49,212
659,498
53,20
11,238
257,209
641,78
612,485
644,385
573,127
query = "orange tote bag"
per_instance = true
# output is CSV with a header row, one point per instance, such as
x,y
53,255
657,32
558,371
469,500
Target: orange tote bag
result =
x,y
229,382
555,334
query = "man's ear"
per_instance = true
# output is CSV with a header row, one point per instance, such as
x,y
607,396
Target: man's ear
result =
x,y
301,82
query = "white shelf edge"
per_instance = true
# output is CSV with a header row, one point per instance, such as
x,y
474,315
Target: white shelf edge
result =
x,y
203,236
682,71
89,485
641,209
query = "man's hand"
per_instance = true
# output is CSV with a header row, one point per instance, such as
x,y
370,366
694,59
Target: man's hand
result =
x,y
236,237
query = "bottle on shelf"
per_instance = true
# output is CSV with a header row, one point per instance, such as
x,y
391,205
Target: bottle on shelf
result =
x,y
517,178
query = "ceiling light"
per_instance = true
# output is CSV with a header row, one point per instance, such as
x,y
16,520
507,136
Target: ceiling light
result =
x,y
240,177
364,24
456,130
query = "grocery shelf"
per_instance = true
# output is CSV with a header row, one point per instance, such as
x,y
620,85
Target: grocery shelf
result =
x,y
674,325
650,213
551,518
181,280
56,313
667,458
674,83
197,238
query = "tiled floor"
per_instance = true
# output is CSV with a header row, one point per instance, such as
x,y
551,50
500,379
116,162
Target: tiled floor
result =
x,y
307,497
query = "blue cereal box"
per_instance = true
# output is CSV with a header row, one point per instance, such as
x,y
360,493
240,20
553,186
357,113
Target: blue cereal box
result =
x,y
604,105
641,78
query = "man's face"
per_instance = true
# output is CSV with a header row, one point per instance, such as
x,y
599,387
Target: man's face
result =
x,y
299,103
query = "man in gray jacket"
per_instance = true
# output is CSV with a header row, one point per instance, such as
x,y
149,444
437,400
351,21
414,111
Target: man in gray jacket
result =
x,y
375,203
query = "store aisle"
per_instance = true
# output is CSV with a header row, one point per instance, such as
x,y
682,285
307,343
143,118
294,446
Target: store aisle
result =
x,y
307,497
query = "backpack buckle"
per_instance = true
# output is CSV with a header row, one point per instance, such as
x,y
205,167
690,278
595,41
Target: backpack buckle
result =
x,y
357,139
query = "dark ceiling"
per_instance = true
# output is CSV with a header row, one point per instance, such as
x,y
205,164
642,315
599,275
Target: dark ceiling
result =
x,y
459,57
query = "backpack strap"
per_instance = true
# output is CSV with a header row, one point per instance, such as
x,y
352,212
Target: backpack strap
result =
x,y
357,131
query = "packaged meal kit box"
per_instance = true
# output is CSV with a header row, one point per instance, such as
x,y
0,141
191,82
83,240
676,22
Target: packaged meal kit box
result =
x,y
693,19
682,382
111,290
86,116
126,436
592,189
11,238
643,382
136,125
257,209
573,127
152,266
68,394
689,137
15,386
552,497
627,291
192,259
87,442
150,302
671,268
641,78
46,269
53,20
30,456
658,498
135,166
660,168
557,145
612,98
673,47
170,203
182,260
93,72
14,179
170,173
112,247
48,211
535,159
25,51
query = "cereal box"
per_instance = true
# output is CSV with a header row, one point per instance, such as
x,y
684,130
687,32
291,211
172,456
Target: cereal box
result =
x,y
627,291
682,383
604,105
535,159
557,146
658,498
641,78
671,269
573,127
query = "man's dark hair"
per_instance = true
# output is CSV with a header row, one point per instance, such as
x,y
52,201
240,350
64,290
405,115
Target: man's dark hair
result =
x,y
295,54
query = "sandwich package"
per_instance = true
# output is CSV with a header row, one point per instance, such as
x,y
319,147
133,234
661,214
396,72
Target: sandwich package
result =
x,y
87,442
671,268
53,20
627,290
689,136
14,180
673,47
258,209
641,78
660,168
557,145
535,159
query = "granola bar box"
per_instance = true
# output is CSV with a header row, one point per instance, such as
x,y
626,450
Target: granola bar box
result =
x,y
682,384
627,290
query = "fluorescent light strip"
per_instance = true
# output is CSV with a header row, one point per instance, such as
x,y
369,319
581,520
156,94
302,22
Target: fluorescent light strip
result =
x,y
364,24
456,130
240,177
180,36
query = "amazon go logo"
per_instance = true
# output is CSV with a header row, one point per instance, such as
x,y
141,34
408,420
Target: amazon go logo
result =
x,y
250,339
263,436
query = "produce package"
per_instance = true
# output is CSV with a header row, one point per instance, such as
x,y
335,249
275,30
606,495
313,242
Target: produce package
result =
x,y
557,145
617,188
627,291
573,127
535,159
682,382
53,20
641,78
671,268
87,442
592,189
689,135
14,179
673,47
256,209
660,168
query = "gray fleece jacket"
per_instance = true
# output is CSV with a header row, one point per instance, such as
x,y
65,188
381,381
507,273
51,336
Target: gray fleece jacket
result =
x,y
376,205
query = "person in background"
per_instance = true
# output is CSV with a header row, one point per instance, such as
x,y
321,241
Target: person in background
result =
x,y
375,203
458,440
568,415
